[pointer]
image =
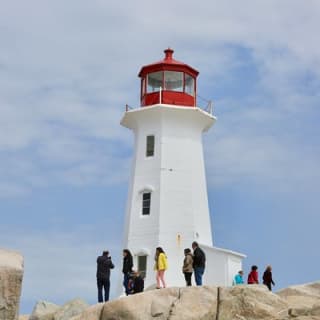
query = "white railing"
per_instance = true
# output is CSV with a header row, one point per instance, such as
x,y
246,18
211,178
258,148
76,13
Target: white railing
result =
x,y
206,106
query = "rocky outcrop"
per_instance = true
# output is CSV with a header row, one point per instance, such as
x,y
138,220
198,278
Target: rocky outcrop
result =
x,y
303,301
11,274
71,309
171,303
44,310
250,302
243,302
92,313
301,296
247,302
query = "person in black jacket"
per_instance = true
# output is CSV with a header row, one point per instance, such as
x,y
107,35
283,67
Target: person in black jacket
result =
x,y
104,264
267,277
199,263
126,269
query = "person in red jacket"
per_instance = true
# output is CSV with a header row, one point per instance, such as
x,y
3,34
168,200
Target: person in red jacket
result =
x,y
253,276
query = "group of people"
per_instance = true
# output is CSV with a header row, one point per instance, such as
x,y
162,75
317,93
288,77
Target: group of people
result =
x,y
194,261
133,282
253,277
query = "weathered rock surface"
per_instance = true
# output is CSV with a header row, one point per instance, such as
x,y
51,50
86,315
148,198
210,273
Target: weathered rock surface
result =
x,y
11,274
70,309
171,303
250,302
244,302
148,305
301,296
44,310
92,313
200,301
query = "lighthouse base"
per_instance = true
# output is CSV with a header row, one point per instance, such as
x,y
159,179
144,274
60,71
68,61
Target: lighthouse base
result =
x,y
221,267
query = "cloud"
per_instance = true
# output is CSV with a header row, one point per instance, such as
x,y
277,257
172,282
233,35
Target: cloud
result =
x,y
71,70
262,143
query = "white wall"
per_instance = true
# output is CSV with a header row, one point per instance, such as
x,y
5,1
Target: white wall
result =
x,y
221,266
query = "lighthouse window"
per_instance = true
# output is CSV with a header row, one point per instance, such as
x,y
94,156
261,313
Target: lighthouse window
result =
x,y
154,81
173,81
146,202
189,85
150,146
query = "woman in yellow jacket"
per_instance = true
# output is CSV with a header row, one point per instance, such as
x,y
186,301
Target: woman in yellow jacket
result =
x,y
161,265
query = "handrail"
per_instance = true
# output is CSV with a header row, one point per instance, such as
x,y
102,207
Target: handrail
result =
x,y
208,108
128,108
209,105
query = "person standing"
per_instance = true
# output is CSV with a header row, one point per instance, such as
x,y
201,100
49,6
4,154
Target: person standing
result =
x,y
238,278
161,265
187,267
253,276
199,263
267,277
126,268
104,264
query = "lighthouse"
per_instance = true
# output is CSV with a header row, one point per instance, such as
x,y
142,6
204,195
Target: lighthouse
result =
x,y
167,202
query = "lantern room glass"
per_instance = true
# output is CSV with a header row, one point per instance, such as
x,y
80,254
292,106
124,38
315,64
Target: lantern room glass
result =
x,y
189,84
154,81
173,81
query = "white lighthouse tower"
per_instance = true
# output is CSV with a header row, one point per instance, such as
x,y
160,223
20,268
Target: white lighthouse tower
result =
x,y
167,200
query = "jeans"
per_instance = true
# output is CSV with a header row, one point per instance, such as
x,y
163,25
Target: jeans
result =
x,y
198,273
105,284
187,276
126,283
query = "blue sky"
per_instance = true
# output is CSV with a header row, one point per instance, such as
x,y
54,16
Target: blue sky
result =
x,y
67,69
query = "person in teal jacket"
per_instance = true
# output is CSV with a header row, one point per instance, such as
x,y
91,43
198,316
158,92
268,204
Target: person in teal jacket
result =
x,y
238,278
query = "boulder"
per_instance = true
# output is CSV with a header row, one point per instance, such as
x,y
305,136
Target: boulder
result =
x,y
92,313
44,310
11,274
243,302
70,309
142,306
305,313
247,302
195,303
301,296
250,302
315,310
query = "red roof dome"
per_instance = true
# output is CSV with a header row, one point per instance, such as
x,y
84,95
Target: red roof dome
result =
x,y
168,63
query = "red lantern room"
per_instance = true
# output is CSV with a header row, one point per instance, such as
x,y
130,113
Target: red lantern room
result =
x,y
169,82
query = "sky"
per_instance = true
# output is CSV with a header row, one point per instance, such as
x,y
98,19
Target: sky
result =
x,y
67,70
